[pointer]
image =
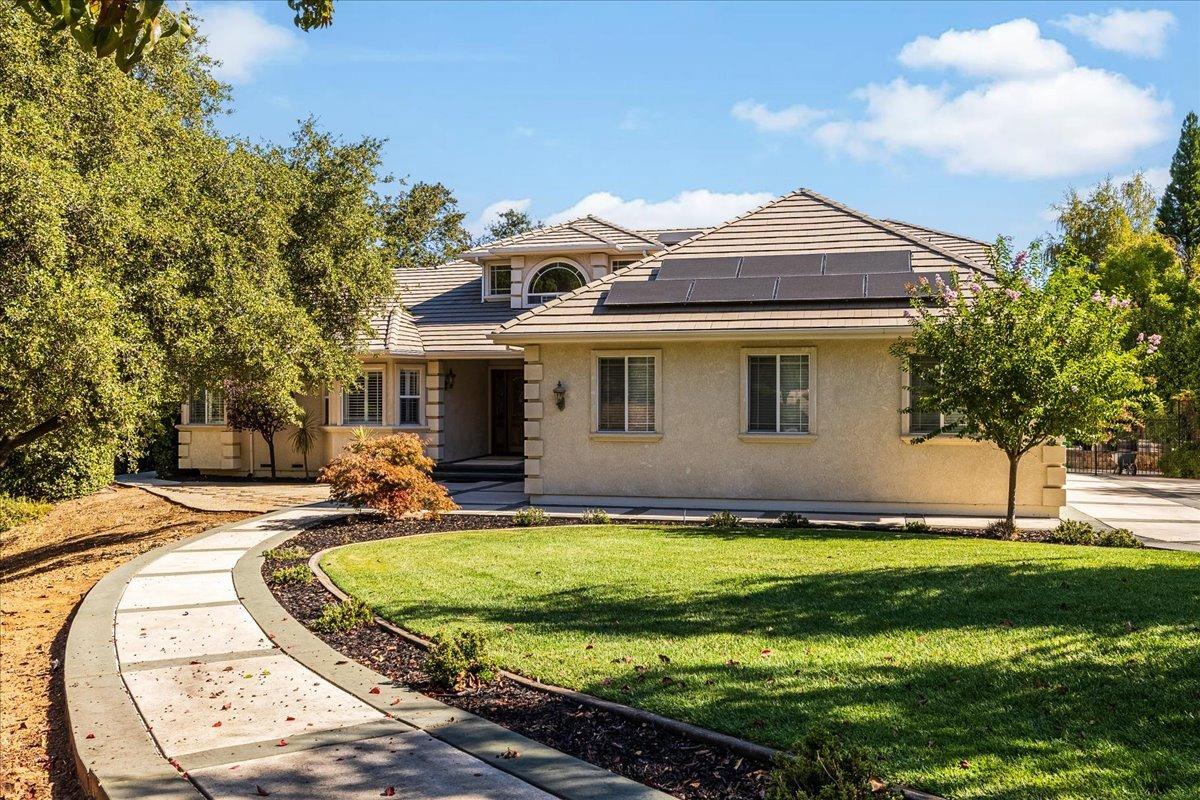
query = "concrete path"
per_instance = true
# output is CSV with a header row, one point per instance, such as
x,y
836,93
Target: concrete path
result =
x,y
1162,512
185,678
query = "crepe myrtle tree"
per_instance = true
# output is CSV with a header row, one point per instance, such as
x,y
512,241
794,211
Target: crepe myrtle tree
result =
x,y
260,408
1030,357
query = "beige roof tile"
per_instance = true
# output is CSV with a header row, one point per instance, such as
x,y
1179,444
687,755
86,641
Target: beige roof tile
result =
x,y
585,233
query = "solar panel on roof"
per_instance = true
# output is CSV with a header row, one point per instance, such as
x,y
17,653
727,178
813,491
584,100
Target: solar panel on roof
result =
x,y
675,237
639,293
820,287
779,265
732,290
874,261
895,284
711,267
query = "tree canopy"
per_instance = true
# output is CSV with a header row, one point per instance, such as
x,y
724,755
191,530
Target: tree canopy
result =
x,y
1179,213
510,222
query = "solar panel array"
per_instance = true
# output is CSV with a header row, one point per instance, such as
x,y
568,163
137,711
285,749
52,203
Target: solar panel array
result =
x,y
875,275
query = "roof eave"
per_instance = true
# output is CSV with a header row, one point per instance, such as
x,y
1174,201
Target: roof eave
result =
x,y
594,247
735,334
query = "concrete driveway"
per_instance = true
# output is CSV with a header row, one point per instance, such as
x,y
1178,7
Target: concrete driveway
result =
x,y
1163,512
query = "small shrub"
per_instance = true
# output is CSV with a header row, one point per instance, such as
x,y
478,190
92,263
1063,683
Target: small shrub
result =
x,y
1181,461
529,516
790,519
388,473
596,516
1119,537
16,511
344,616
723,520
459,661
1071,531
1001,529
290,576
825,769
917,526
286,554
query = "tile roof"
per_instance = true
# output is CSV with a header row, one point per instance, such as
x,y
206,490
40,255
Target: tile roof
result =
x,y
800,222
973,249
585,233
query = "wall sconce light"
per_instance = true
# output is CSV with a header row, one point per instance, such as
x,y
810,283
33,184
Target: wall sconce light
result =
x,y
560,396
450,376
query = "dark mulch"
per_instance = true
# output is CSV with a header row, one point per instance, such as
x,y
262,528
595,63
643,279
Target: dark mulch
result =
x,y
641,751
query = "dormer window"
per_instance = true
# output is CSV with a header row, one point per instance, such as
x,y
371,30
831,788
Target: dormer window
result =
x,y
499,281
551,280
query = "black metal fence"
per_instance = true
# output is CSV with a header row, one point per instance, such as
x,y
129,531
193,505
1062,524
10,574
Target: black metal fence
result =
x,y
1140,452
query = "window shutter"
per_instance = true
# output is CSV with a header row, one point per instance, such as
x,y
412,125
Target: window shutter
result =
x,y
793,394
640,413
355,406
375,397
921,421
196,409
410,396
761,406
612,394
216,408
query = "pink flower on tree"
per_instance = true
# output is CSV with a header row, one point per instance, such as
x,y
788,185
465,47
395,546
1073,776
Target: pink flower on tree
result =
x,y
1097,297
1013,294
1020,260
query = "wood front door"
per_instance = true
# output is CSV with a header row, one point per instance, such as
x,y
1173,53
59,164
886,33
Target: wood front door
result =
x,y
508,412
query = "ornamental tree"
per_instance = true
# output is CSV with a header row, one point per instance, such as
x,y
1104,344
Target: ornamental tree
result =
x,y
258,409
1027,358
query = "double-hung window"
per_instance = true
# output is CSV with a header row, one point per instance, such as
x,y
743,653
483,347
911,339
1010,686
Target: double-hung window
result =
x,y
922,422
777,392
627,393
409,407
207,408
499,280
363,404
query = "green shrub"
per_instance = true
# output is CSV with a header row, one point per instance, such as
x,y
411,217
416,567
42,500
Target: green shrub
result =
x,y
286,554
1119,537
65,464
723,520
596,516
917,526
529,516
344,616
289,576
16,511
1072,531
790,519
1001,529
1181,461
823,768
459,661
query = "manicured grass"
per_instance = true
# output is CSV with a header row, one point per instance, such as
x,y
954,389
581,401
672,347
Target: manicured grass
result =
x,y
974,668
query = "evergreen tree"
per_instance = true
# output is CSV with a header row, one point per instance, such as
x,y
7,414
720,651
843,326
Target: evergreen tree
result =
x,y
1179,213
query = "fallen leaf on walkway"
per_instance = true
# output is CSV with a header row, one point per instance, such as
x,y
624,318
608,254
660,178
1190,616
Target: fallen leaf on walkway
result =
x,y
217,724
282,743
374,690
388,792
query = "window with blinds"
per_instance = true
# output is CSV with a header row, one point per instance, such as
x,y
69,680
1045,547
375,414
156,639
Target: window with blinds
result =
x,y
409,408
922,422
626,394
207,408
363,405
777,393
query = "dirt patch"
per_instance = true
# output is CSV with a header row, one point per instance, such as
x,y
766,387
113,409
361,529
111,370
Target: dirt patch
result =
x,y
641,751
45,568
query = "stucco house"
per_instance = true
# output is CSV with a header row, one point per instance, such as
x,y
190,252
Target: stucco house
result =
x,y
744,365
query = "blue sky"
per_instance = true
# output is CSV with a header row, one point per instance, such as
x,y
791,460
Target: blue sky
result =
x,y
971,117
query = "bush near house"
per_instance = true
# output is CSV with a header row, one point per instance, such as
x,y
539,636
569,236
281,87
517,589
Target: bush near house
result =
x,y
388,473
67,463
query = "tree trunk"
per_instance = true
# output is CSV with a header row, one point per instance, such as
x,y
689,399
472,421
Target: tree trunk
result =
x,y
10,446
1011,515
271,451
305,454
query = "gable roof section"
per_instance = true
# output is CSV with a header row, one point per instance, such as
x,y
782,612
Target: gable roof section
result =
x,y
800,222
585,233
972,249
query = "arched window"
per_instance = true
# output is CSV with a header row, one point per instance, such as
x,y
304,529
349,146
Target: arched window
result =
x,y
552,280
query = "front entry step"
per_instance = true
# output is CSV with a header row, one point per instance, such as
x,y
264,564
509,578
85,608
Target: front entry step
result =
x,y
480,469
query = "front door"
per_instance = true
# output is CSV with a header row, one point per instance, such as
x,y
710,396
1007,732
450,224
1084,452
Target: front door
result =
x,y
508,411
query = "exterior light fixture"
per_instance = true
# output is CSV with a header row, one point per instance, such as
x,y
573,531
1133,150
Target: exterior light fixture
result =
x,y
560,396
450,376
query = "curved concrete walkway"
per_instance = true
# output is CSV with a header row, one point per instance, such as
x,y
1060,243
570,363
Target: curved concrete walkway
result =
x,y
186,679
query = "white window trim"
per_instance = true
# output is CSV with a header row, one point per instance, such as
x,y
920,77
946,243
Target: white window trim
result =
x,y
744,431
626,435
420,370
489,291
530,275
208,412
383,393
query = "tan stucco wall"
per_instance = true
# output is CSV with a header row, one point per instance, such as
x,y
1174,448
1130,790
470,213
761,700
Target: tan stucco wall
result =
x,y
856,455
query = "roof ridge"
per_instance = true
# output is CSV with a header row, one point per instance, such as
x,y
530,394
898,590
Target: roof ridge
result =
x,y
516,237
935,230
631,231
890,228
574,226
610,277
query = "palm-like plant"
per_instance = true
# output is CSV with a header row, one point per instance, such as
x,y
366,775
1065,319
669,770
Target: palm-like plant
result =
x,y
305,436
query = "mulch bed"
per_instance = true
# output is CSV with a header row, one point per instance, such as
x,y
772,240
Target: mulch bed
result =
x,y
641,751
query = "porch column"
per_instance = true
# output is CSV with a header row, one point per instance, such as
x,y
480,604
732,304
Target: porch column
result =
x,y
435,411
533,420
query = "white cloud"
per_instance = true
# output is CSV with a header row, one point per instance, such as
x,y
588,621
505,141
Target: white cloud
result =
x,y
492,213
1134,33
784,120
1008,50
1077,121
696,207
242,40
524,131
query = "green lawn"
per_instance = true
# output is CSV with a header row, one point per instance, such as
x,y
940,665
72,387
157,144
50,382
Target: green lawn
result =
x,y
1047,671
